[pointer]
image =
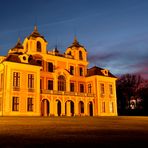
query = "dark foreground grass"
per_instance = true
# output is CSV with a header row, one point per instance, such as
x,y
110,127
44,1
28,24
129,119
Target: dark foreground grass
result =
x,y
74,132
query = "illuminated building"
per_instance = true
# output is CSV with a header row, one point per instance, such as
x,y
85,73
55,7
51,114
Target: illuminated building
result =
x,y
38,82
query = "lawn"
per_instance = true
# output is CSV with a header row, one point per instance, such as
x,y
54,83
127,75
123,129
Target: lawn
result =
x,y
118,131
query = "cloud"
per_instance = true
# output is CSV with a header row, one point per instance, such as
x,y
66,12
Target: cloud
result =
x,y
127,56
101,58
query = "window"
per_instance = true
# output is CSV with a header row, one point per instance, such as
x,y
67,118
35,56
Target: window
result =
x,y
30,104
40,83
50,84
72,87
103,107
39,62
30,81
69,53
16,79
80,55
110,89
61,83
111,107
81,87
15,104
89,88
102,88
50,67
38,46
71,70
81,71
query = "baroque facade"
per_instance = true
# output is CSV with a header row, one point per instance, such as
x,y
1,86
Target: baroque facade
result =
x,y
38,82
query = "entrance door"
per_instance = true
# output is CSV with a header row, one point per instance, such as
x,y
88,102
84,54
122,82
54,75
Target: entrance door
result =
x,y
90,108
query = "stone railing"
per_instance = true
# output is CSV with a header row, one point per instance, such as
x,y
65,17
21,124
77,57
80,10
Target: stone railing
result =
x,y
53,92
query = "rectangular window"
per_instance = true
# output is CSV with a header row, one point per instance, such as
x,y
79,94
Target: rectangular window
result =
x,y
71,70
111,107
72,87
50,67
40,83
81,88
102,88
110,89
81,71
89,88
103,107
30,104
30,81
15,104
50,84
16,79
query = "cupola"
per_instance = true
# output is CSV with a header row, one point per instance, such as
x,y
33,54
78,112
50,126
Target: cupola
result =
x,y
17,49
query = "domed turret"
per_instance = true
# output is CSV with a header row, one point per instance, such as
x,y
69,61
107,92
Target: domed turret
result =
x,y
35,43
18,48
77,51
36,34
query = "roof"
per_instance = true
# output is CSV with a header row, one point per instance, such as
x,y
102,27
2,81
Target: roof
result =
x,y
13,58
76,44
36,34
17,46
98,71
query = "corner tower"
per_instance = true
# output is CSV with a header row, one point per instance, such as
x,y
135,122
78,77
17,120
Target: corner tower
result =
x,y
77,51
35,43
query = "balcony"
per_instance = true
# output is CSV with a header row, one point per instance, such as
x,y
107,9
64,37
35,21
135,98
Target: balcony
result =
x,y
54,92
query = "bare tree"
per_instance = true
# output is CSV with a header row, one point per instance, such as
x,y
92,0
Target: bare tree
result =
x,y
129,92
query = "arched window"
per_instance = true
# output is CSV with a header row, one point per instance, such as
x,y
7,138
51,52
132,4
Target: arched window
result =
x,y
80,55
38,46
61,83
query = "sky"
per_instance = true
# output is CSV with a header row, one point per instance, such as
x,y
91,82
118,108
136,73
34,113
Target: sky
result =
x,y
114,32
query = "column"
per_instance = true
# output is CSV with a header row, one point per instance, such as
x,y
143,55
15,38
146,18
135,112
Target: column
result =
x,y
85,108
45,107
56,108
76,106
51,107
68,108
63,108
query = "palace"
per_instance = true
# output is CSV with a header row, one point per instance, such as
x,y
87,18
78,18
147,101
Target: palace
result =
x,y
38,82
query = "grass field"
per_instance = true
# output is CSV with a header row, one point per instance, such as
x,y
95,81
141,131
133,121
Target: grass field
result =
x,y
74,131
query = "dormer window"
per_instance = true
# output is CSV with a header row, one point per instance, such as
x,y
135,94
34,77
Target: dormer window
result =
x,y
105,72
39,62
80,55
38,46
69,53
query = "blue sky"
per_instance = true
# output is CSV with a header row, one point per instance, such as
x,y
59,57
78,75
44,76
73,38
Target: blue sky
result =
x,y
114,32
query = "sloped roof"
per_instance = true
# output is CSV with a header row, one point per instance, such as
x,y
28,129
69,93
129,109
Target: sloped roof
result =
x,y
98,71
18,47
76,44
13,58
36,34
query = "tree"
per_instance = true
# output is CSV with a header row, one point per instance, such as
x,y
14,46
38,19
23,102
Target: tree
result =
x,y
129,93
